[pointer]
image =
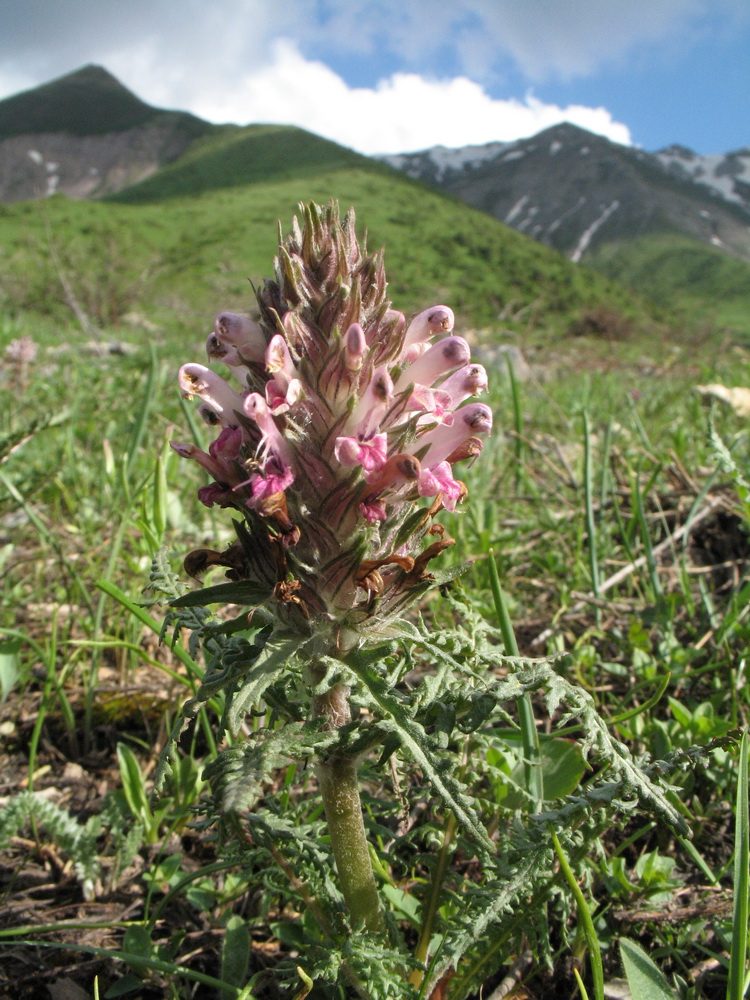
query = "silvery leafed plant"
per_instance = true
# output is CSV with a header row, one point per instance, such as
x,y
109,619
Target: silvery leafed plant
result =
x,y
337,437
336,445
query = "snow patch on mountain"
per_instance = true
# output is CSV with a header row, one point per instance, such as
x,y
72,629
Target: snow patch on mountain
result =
x,y
727,175
445,160
587,234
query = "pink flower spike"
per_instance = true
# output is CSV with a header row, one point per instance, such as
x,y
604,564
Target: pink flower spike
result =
x,y
470,380
355,346
447,354
278,358
371,455
436,319
238,331
442,441
197,380
439,479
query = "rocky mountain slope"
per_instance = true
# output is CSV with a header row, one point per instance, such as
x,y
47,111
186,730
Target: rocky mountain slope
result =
x,y
85,135
577,191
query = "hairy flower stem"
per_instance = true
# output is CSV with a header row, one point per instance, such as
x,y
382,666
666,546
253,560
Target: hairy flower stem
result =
x,y
337,778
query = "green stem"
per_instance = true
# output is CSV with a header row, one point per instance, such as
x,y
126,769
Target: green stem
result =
x,y
339,788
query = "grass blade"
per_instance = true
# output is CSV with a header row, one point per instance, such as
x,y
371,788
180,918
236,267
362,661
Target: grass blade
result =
x,y
587,924
738,955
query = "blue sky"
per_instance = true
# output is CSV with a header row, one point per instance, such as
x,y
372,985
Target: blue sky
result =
x,y
386,76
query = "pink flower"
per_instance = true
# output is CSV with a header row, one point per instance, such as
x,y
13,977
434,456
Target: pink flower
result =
x,y
222,454
282,393
278,358
197,380
272,440
215,493
373,511
471,380
233,330
377,397
275,478
433,402
453,352
476,418
371,455
436,319
439,479
230,356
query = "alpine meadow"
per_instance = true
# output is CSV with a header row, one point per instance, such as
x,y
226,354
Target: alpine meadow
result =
x,y
375,581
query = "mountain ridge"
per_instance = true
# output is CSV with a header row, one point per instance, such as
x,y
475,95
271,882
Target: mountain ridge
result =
x,y
576,191
86,135
593,200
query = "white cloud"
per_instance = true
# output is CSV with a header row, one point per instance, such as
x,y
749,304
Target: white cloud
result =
x,y
402,113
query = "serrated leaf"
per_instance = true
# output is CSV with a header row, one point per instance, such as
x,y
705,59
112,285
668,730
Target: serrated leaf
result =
x,y
418,746
263,671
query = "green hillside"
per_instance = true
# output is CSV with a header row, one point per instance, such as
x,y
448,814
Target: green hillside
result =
x,y
179,261
230,156
88,102
703,285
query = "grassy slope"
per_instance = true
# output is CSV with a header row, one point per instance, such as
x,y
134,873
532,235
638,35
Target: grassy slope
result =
x,y
704,284
660,266
229,157
184,259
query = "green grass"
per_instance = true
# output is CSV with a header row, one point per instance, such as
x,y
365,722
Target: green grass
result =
x,y
232,157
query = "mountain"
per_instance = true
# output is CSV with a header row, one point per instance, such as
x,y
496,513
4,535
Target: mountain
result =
x,y
85,135
577,192
199,185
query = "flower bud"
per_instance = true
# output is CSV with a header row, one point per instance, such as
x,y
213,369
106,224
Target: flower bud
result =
x,y
432,321
355,346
